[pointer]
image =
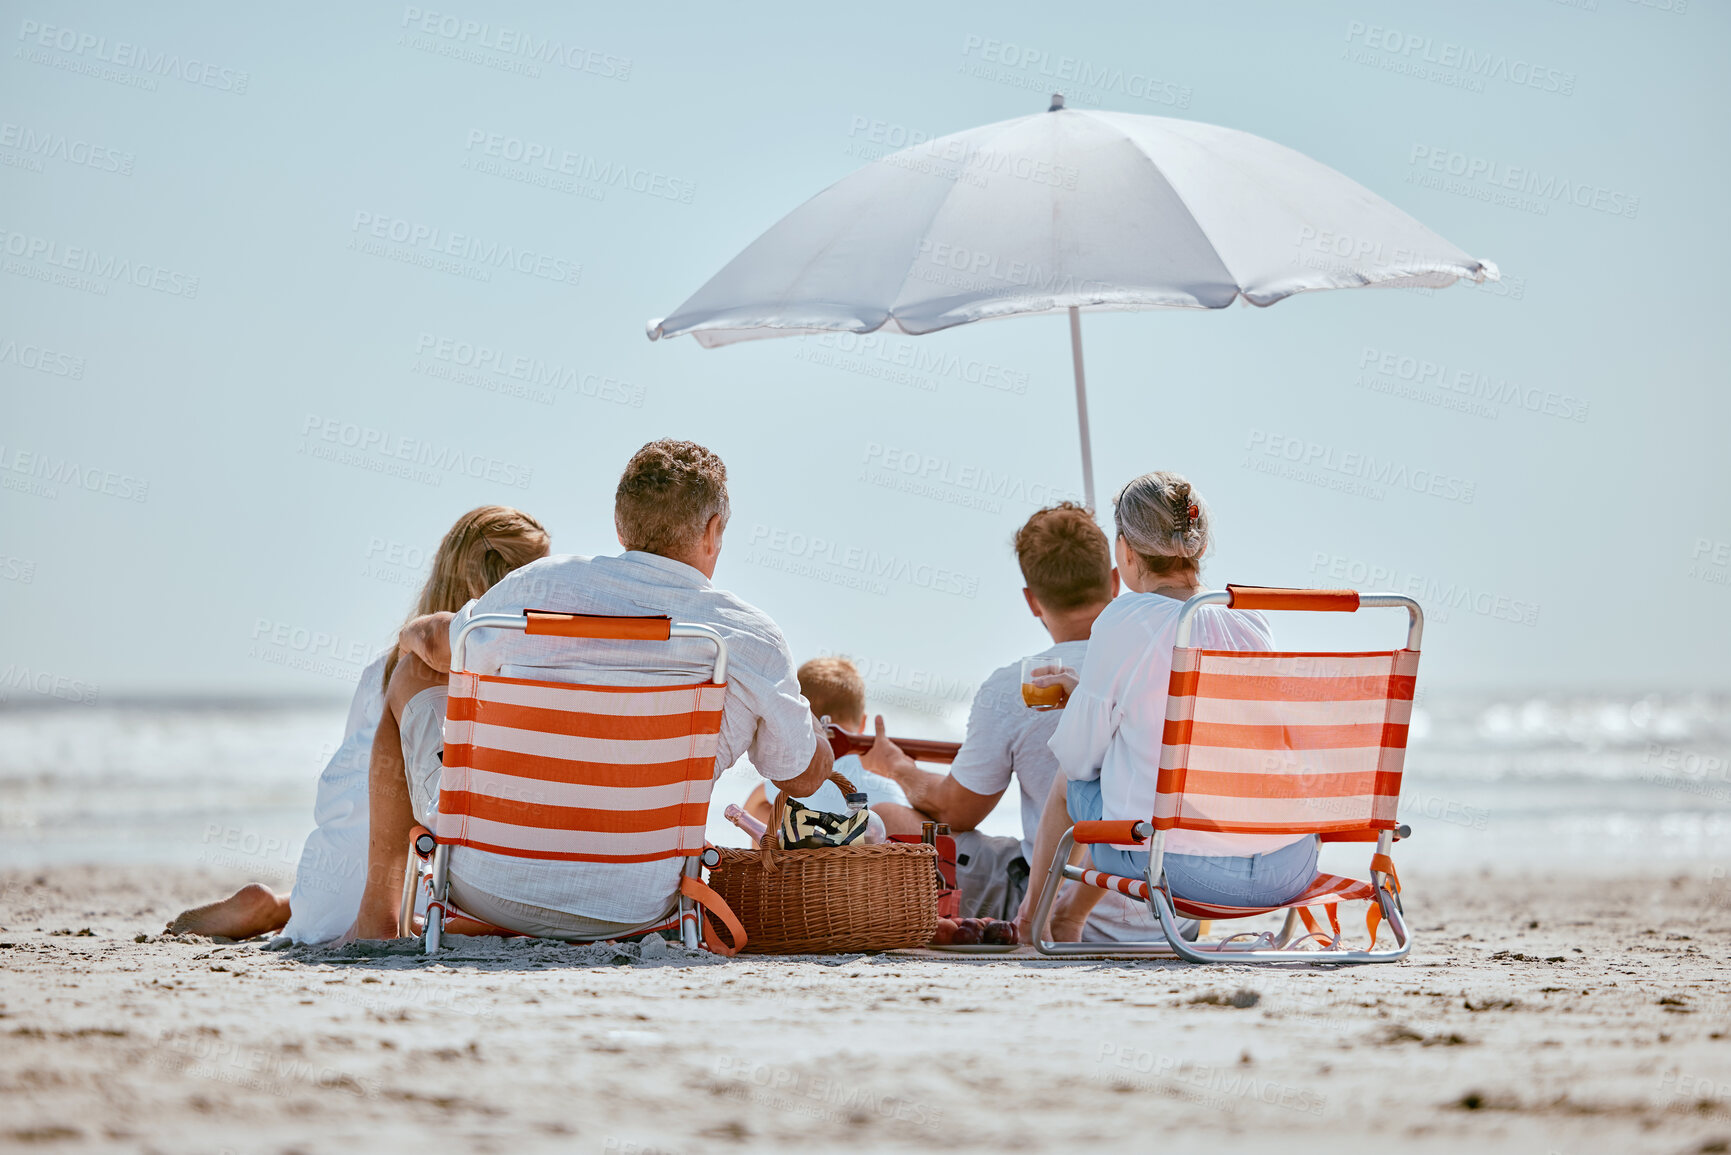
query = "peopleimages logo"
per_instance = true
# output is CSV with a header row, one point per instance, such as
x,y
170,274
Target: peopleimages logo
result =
x,y
816,1096
1226,1086
1439,598
513,42
436,242
890,465
952,158
89,262
375,450
1411,52
41,144
1517,179
1037,68
1468,384
888,135
42,360
532,378
1711,561
1688,763
395,562
883,677
957,266
315,643
867,568
17,569
47,685
124,54
918,359
38,474
1349,471
251,1069
1356,250
579,166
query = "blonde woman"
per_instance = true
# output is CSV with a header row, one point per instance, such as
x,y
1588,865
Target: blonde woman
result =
x,y
483,546
1108,742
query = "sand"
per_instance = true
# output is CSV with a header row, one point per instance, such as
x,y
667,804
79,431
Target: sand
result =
x,y
1551,1016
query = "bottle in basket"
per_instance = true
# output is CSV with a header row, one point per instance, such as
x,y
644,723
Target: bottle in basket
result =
x,y
875,831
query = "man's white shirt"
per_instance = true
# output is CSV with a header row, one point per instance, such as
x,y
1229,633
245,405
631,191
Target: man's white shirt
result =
x,y
1006,739
765,717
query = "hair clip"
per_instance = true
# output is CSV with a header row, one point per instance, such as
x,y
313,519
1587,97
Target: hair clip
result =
x,y
1192,513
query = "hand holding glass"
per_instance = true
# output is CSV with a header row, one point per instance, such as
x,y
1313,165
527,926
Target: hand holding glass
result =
x,y
1046,683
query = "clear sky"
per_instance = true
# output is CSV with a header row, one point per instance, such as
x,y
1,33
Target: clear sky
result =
x,y
214,357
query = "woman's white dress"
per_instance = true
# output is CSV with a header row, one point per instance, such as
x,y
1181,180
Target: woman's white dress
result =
x,y
333,868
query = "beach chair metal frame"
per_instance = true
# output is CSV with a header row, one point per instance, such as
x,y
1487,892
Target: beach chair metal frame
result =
x,y
1383,890
432,851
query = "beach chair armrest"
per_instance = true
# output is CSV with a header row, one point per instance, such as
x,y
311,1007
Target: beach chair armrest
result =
x,y
1367,834
1279,598
1123,832
563,625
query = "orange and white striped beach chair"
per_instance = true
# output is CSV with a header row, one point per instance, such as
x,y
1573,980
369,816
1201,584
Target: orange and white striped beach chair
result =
x,y
564,772
1270,743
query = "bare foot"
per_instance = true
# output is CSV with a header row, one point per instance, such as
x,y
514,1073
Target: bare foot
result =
x,y
1067,928
249,911
374,924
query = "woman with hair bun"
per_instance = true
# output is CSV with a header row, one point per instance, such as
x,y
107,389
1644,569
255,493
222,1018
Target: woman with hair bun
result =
x,y
483,546
1109,739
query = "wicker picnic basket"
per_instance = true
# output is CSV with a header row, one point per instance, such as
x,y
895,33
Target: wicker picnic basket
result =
x,y
832,899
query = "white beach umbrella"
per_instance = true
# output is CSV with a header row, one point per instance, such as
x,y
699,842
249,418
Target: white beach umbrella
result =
x,y
1069,209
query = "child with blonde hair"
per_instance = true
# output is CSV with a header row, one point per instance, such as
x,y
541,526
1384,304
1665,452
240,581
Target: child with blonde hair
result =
x,y
835,690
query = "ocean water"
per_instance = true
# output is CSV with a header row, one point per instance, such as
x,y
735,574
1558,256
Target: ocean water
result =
x,y
1590,784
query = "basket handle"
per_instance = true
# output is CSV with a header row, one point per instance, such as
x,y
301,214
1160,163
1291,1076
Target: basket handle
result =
x,y
771,839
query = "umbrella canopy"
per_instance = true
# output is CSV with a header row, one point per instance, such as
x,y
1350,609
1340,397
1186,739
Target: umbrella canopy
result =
x,y
1070,209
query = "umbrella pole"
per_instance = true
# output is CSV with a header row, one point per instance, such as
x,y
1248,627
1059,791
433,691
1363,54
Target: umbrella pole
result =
x,y
1082,405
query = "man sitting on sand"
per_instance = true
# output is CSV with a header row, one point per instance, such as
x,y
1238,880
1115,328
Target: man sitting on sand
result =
x,y
836,691
670,511
1066,562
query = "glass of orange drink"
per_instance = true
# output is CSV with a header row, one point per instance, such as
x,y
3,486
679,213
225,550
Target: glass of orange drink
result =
x,y
1040,688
